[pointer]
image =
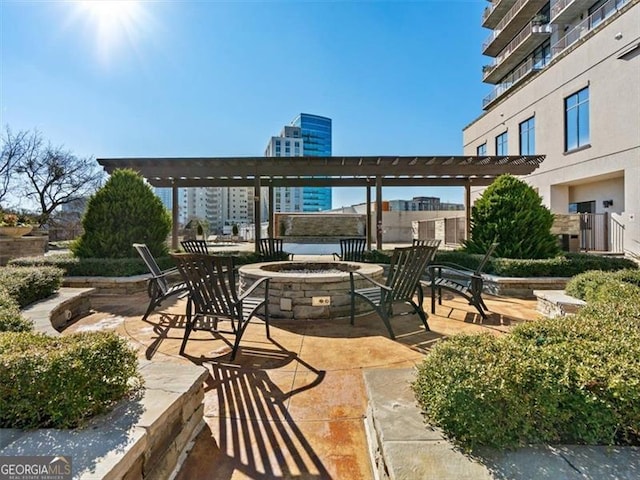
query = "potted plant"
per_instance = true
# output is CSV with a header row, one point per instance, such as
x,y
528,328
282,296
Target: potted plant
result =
x,y
13,226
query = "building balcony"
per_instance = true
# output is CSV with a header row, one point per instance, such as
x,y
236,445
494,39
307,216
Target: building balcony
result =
x,y
514,20
525,71
563,11
516,51
494,12
587,25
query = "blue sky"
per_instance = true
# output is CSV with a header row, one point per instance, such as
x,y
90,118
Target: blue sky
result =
x,y
205,78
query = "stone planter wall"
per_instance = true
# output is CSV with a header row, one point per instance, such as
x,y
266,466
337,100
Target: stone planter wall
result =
x,y
17,247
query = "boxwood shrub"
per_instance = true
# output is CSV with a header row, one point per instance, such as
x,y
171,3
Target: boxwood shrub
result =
x,y
567,265
94,267
565,380
59,382
10,318
585,285
29,284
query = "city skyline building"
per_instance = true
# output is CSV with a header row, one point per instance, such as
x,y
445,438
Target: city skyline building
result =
x,y
307,135
566,86
316,134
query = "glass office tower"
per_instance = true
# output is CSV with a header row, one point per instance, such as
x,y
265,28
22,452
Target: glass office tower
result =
x,y
316,135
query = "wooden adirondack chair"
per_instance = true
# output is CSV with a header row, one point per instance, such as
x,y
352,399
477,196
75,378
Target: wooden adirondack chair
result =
x,y
195,246
351,249
159,287
213,296
407,266
271,250
460,280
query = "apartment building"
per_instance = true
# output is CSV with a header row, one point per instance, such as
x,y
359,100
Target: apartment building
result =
x,y
288,144
566,84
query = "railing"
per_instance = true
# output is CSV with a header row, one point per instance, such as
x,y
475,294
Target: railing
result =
x,y
558,6
588,24
503,23
522,71
601,232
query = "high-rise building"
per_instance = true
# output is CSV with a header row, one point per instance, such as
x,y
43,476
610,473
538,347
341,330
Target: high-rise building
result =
x,y
316,135
288,144
308,135
565,76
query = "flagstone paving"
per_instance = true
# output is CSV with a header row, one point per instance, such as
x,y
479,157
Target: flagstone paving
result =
x,y
292,406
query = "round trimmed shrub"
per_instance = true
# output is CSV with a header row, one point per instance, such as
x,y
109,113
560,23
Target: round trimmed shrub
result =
x,y
123,212
565,380
30,284
511,213
59,382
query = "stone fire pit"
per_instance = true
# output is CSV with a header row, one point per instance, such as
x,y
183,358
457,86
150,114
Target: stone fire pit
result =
x,y
310,289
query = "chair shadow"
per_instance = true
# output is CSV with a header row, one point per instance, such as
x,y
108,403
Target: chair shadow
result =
x,y
255,433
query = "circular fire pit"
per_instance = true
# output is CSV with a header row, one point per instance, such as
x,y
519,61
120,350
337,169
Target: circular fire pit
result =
x,y
310,289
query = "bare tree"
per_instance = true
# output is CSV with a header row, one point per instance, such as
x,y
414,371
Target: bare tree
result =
x,y
51,176
12,151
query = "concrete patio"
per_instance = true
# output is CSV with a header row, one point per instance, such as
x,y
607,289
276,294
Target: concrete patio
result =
x,y
292,406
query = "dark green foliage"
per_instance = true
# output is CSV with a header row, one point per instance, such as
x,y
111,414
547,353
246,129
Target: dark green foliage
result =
x,y
511,213
30,284
94,267
567,265
59,382
546,382
10,318
123,212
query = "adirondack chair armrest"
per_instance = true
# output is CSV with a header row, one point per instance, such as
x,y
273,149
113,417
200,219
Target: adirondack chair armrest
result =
x,y
366,277
453,267
166,273
254,287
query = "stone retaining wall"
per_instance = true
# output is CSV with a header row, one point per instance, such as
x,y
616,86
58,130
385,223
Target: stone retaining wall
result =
x,y
19,247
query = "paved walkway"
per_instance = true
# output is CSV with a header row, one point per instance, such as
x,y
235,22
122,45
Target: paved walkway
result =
x,y
293,406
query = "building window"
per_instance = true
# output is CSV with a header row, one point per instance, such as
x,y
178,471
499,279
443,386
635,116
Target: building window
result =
x,y
528,137
576,120
501,144
482,150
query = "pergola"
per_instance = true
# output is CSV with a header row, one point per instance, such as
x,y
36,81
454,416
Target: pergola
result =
x,y
369,172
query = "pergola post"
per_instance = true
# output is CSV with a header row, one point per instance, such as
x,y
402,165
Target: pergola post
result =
x,y
271,210
368,227
467,207
175,215
379,212
256,212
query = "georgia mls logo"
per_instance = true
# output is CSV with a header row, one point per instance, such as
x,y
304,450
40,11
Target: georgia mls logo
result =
x,y
35,468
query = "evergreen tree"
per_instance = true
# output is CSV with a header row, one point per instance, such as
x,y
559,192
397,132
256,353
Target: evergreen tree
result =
x,y
511,213
123,212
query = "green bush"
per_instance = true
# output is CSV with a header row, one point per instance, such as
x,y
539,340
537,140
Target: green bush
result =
x,y
546,382
30,284
94,267
59,382
10,318
586,285
511,213
123,212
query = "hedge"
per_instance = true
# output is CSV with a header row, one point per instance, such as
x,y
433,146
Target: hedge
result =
x,y
59,382
566,380
30,284
10,318
585,285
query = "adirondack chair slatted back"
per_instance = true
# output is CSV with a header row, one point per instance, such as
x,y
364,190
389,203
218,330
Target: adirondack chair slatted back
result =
x,y
152,265
195,246
211,282
406,268
352,249
271,249
426,243
485,259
